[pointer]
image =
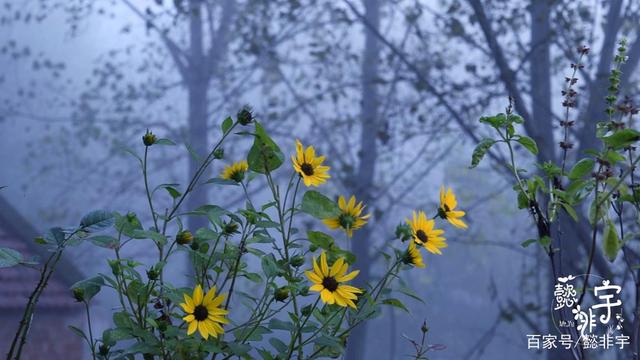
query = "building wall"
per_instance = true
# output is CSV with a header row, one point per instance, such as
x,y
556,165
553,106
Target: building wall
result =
x,y
49,337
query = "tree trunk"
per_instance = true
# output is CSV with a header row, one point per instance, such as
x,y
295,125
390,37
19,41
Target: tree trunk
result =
x,y
364,179
599,85
197,88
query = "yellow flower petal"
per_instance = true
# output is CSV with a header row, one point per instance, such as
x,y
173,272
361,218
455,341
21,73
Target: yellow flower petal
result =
x,y
192,327
323,264
197,295
349,276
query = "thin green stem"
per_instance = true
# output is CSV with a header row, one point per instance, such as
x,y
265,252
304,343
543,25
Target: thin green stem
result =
x,y
91,342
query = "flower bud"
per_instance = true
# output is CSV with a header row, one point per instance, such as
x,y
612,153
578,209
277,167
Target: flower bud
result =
x,y
245,117
424,327
218,153
297,261
78,294
149,138
184,237
153,274
306,311
195,246
281,294
230,228
103,350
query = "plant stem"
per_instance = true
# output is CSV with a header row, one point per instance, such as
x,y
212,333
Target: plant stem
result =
x,y
91,343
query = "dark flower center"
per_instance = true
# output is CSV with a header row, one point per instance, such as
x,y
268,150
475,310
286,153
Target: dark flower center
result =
x,y
446,208
330,283
422,236
200,313
307,169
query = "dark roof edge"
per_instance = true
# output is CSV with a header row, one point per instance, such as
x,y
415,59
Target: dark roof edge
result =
x,y
15,223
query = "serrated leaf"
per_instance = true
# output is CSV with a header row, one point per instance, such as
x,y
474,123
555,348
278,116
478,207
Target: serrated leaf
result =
x,y
480,151
97,220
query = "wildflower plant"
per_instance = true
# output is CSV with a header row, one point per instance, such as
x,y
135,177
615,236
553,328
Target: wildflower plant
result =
x,y
259,286
601,180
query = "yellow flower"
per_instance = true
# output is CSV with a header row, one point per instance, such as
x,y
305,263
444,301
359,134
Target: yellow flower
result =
x,y
413,256
425,234
309,166
351,217
447,208
328,281
204,312
235,171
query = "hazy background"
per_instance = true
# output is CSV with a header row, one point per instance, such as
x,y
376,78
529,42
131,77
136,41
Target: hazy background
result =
x,y
389,90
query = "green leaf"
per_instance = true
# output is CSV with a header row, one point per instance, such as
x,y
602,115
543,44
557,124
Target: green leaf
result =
x,y
570,210
528,242
528,144
9,257
256,278
320,239
497,121
581,169
278,344
264,155
269,266
90,287
97,220
277,324
105,241
226,125
239,349
611,243
622,138
328,341
164,142
150,234
220,181
480,151
602,210
78,332
396,303
173,192
319,206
